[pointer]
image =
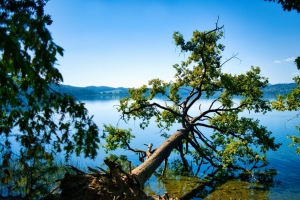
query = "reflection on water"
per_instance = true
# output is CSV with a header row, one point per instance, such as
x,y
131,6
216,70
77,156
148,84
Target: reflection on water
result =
x,y
217,185
284,160
236,189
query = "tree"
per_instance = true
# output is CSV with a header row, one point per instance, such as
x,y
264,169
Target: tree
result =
x,y
288,4
33,117
291,102
297,62
237,143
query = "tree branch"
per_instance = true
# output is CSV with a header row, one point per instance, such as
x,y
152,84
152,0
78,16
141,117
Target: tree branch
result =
x,y
227,60
204,139
152,105
201,153
215,111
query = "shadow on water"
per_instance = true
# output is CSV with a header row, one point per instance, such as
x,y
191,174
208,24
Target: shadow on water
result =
x,y
284,160
184,185
218,185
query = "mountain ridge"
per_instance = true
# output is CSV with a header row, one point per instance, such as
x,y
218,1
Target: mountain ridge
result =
x,y
271,89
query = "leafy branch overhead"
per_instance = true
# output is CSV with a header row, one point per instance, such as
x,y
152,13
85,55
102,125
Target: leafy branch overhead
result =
x,y
291,102
236,142
288,5
31,113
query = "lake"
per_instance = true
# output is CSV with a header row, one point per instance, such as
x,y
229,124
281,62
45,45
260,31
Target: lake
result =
x,y
284,160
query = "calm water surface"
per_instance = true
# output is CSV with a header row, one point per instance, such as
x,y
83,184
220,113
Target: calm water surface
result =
x,y
284,160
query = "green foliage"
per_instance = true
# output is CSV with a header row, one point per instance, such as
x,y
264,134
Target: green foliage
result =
x,y
237,142
32,180
297,62
240,137
288,4
117,138
296,141
291,102
32,115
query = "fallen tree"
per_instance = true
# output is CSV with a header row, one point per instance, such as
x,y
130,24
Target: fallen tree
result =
x,y
114,183
236,142
44,117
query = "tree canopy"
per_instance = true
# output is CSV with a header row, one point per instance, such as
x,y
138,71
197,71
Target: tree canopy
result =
x,y
236,142
33,117
36,122
291,102
288,4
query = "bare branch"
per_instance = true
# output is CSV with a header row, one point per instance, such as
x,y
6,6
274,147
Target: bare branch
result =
x,y
213,102
213,111
201,153
187,99
233,56
129,147
217,22
204,139
153,105
214,30
179,105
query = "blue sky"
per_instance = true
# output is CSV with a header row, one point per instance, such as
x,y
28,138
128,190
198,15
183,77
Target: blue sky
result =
x,y
128,42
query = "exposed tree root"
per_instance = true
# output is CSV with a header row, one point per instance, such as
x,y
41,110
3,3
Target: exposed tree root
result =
x,y
114,185
99,187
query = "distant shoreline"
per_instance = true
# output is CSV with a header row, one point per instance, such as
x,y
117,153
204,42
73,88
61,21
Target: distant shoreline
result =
x,y
120,92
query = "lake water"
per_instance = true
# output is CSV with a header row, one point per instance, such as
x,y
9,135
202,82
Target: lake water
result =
x,y
282,124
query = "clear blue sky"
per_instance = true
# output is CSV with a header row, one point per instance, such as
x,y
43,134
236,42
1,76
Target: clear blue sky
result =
x,y
128,42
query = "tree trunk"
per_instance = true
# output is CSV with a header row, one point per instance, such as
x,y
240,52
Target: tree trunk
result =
x,y
144,171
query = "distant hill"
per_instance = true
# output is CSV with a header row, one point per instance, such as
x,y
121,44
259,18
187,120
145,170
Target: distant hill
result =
x,y
281,88
98,91
90,91
106,89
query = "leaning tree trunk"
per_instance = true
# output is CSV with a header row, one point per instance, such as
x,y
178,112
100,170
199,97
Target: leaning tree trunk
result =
x,y
144,171
116,184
